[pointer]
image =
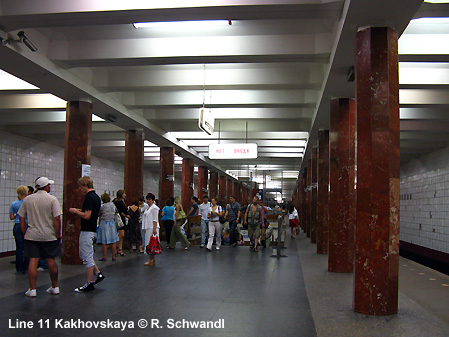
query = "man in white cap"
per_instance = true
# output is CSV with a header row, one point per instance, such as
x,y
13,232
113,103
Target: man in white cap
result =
x,y
43,235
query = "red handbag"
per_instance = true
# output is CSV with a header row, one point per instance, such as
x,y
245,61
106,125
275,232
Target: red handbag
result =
x,y
154,247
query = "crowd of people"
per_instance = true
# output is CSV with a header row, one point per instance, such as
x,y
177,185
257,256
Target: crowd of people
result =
x,y
114,225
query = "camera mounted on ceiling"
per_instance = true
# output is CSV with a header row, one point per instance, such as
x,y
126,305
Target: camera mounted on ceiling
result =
x,y
22,39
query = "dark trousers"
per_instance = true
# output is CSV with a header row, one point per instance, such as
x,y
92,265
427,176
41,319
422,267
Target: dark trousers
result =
x,y
232,231
168,224
21,262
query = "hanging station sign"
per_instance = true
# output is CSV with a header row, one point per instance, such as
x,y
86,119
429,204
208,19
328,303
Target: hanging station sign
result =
x,y
233,151
206,121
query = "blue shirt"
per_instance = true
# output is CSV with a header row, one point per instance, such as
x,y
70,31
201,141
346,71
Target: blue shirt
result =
x,y
169,213
14,208
195,209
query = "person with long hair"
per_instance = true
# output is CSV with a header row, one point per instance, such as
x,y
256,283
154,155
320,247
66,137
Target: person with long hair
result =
x,y
180,218
120,204
134,237
215,227
107,231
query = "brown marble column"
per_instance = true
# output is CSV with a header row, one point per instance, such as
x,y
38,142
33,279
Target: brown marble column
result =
x,y
309,196
222,189
203,177
187,182
213,185
377,231
236,191
166,174
342,193
78,136
314,205
322,225
229,189
133,165
304,201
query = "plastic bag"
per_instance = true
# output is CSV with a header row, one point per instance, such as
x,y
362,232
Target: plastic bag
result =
x,y
154,247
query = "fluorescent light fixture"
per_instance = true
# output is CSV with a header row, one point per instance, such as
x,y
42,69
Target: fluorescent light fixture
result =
x,y
182,24
431,20
95,118
10,82
148,143
436,1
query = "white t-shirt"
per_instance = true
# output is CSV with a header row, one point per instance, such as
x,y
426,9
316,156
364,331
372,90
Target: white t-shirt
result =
x,y
204,210
293,215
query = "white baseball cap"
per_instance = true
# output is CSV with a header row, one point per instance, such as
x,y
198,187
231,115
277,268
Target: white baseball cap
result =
x,y
42,182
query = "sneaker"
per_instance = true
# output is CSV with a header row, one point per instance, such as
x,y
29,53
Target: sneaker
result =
x,y
85,288
99,278
53,291
208,249
40,269
202,246
30,293
217,248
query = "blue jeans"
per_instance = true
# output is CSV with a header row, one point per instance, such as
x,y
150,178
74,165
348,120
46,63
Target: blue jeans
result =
x,y
21,262
204,225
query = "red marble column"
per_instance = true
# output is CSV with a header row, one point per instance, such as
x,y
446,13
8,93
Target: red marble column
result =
x,y
77,151
166,174
213,185
378,180
304,201
314,203
309,197
342,193
203,177
133,165
229,189
322,225
236,191
222,189
187,182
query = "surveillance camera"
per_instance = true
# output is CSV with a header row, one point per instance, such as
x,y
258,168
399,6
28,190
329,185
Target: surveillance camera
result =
x,y
26,41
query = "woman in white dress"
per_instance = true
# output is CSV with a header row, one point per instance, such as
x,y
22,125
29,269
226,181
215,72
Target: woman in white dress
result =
x,y
150,224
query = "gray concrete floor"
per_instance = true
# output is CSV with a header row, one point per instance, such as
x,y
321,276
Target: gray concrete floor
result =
x,y
423,300
255,294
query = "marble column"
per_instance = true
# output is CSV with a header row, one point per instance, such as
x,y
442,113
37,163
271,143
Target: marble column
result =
x,y
134,165
222,189
322,225
378,173
229,189
304,201
236,191
203,177
314,205
342,193
187,182
166,174
77,151
309,196
213,185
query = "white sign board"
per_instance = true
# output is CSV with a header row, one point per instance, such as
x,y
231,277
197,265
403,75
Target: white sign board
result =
x,y
85,170
206,121
233,151
268,179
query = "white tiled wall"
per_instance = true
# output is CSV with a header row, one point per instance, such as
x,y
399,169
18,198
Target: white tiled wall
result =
x,y
22,160
425,201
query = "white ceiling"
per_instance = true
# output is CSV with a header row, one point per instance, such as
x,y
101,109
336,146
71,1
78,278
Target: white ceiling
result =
x,y
267,78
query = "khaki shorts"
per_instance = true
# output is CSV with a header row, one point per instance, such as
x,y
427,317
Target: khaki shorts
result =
x,y
253,231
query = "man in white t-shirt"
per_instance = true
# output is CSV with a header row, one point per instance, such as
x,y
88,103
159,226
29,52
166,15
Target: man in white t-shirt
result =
x,y
204,210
